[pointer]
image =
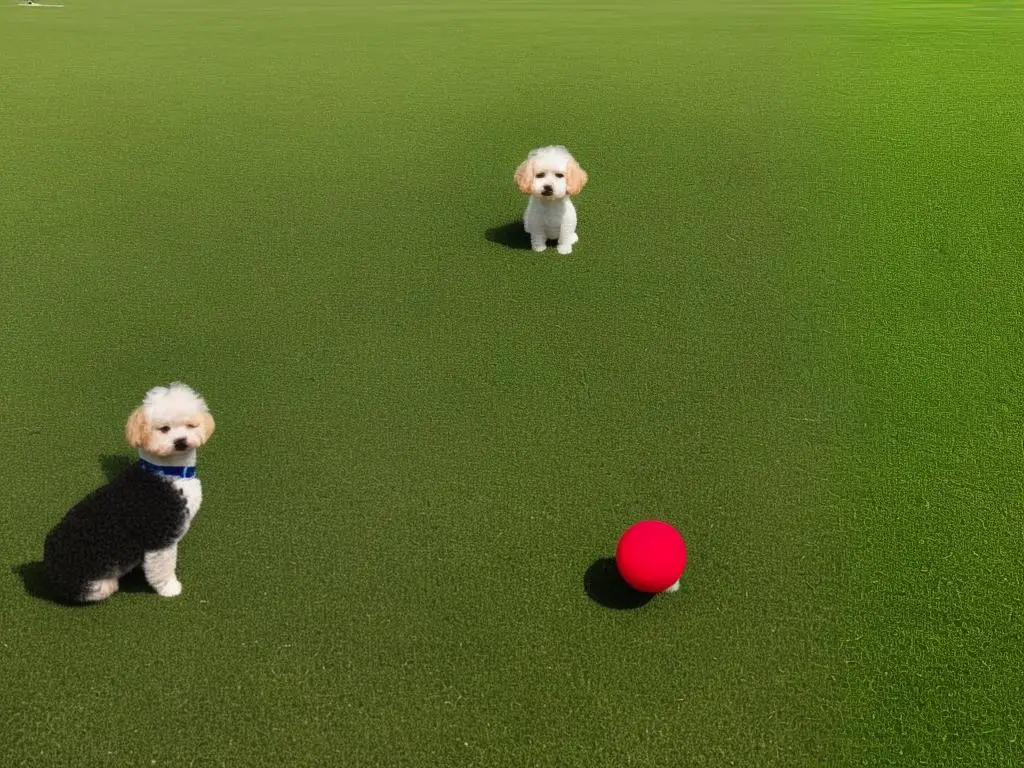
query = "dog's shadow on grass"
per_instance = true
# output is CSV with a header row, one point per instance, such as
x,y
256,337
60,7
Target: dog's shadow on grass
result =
x,y
511,235
114,464
33,574
605,586
34,580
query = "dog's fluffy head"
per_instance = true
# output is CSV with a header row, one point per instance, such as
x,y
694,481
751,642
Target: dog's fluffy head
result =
x,y
172,420
550,173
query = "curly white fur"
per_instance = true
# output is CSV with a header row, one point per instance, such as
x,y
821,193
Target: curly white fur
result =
x,y
550,176
167,428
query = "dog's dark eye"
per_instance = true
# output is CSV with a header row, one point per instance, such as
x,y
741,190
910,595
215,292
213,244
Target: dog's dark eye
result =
x,y
165,429
559,175
192,426
540,175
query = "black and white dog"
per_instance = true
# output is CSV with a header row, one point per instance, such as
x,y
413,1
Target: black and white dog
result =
x,y
138,518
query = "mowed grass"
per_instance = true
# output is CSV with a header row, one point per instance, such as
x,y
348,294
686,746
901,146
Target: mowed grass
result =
x,y
792,326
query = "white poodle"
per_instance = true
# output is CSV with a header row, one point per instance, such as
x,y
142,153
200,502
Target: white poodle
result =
x,y
139,517
550,176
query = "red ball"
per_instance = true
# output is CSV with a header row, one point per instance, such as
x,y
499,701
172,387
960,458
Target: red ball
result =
x,y
651,556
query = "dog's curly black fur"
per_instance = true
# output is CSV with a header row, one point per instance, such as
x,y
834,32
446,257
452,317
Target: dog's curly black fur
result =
x,y
107,533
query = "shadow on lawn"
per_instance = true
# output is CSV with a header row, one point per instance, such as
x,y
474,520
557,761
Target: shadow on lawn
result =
x,y
605,586
33,575
511,235
33,578
113,465
37,585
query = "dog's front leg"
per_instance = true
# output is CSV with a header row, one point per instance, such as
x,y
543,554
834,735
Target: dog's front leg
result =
x,y
159,567
534,228
538,241
567,231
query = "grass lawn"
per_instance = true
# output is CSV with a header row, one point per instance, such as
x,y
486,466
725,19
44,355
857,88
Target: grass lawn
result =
x,y
792,326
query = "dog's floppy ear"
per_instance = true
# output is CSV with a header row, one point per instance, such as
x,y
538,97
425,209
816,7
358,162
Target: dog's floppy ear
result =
x,y
137,428
575,178
206,419
524,176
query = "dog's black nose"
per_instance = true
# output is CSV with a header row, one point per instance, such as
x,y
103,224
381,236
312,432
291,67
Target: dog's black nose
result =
x,y
546,189
181,444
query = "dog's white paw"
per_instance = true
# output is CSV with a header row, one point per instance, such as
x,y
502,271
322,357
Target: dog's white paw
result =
x,y
100,590
565,250
539,247
170,588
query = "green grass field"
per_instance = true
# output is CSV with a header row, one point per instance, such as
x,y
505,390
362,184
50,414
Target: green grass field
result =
x,y
793,326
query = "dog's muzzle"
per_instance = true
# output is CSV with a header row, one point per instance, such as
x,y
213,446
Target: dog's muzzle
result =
x,y
181,444
547,190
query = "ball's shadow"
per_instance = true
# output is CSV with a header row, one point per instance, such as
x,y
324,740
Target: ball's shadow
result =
x,y
605,586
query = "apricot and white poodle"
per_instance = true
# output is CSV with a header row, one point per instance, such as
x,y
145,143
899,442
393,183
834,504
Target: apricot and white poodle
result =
x,y
138,518
550,176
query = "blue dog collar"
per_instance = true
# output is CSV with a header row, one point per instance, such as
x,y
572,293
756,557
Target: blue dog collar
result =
x,y
183,472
